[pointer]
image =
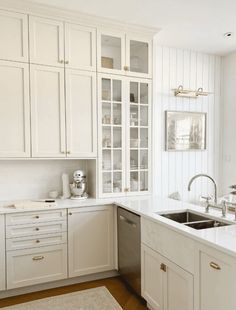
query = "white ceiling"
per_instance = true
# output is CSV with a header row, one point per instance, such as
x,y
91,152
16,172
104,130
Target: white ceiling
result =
x,y
193,24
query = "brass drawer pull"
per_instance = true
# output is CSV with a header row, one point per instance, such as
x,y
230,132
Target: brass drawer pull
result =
x,y
37,216
37,229
38,258
215,266
163,267
37,241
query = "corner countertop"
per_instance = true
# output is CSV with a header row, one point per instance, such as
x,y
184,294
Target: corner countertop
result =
x,y
150,207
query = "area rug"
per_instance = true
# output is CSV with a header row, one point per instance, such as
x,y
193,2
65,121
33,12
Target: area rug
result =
x,y
91,299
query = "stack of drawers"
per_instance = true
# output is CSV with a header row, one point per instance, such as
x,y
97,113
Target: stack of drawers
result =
x,y
36,245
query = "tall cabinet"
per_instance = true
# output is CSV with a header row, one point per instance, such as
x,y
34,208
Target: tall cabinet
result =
x,y
124,113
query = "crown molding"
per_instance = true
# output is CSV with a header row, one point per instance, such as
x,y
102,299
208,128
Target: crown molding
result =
x,y
28,7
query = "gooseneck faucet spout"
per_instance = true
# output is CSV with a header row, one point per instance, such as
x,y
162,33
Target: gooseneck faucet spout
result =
x,y
206,176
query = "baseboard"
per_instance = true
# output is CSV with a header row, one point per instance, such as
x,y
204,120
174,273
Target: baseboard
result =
x,y
50,285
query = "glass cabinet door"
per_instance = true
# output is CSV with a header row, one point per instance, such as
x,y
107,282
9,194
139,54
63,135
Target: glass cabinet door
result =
x,y
111,52
139,139
111,136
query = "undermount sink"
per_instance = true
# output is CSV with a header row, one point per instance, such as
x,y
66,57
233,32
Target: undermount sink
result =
x,y
194,220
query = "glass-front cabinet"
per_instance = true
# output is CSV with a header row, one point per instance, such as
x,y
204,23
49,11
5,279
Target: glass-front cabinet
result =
x,y
124,135
119,53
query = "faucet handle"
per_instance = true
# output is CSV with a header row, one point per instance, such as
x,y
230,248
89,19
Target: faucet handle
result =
x,y
207,199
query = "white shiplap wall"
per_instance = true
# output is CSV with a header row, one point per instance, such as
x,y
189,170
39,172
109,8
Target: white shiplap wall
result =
x,y
172,170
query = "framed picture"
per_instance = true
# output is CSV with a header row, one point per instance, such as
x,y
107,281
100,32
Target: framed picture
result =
x,y
185,131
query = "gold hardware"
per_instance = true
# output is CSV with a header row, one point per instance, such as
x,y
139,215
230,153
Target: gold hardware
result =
x,y
38,258
67,62
37,217
37,241
63,152
215,266
68,152
70,213
126,189
163,267
37,229
61,61
126,68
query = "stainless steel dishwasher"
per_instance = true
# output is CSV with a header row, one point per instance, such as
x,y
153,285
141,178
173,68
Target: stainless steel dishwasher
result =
x,y
129,248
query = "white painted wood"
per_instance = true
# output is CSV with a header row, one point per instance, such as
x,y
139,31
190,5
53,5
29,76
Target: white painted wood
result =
x,y
179,288
90,240
142,39
47,111
172,170
35,241
25,230
80,47
14,110
34,266
13,36
2,254
35,217
152,278
115,34
81,118
217,287
46,37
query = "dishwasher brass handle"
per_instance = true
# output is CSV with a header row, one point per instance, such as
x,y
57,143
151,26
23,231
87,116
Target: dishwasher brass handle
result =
x,y
38,258
122,218
215,266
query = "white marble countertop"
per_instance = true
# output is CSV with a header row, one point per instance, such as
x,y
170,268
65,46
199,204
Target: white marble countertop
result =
x,y
221,238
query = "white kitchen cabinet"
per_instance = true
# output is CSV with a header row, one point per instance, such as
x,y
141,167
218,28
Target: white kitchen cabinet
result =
x,y
47,111
124,118
125,54
216,281
90,240
46,39
2,254
13,36
81,125
165,286
80,47
14,110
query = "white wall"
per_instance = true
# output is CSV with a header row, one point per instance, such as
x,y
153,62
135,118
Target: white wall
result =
x,y
33,179
229,122
172,170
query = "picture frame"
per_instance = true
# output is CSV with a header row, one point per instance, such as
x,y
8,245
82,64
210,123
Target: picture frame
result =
x,y
185,131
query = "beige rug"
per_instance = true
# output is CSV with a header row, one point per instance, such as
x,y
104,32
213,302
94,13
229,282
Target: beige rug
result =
x,y
92,299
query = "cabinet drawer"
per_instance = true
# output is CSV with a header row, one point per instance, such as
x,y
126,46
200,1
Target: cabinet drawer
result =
x,y
29,267
35,229
174,246
35,242
35,217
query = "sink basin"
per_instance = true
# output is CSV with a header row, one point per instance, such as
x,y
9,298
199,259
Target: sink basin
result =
x,y
194,220
185,217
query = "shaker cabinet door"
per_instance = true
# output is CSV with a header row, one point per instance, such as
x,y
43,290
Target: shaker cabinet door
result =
x,y
47,111
2,254
46,41
14,110
81,113
13,36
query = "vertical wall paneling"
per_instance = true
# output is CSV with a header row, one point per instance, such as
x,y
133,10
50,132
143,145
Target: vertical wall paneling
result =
x,y
172,170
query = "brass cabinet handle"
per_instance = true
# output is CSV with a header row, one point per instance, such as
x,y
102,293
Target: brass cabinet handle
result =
x,y
37,241
70,213
126,68
67,62
37,229
38,257
215,266
163,267
68,152
61,61
37,216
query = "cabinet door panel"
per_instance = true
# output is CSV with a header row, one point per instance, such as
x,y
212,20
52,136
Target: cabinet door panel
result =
x,y
14,110
152,278
90,240
13,36
46,41
81,113
48,111
80,47
2,253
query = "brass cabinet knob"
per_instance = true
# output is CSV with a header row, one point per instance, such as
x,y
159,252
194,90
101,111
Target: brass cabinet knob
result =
x,y
70,213
61,61
37,229
37,216
126,68
67,62
163,267
37,241
215,266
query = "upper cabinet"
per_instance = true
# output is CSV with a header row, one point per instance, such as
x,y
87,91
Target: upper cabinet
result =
x,y
13,36
55,43
119,53
80,47
46,41
14,109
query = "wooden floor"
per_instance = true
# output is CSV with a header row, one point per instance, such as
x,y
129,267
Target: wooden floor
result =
x,y
125,298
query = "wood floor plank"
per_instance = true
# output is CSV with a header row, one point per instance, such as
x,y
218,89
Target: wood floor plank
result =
x,y
117,288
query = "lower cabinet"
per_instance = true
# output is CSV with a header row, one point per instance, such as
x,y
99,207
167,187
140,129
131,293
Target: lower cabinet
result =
x,y
90,240
2,254
217,281
165,286
34,266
